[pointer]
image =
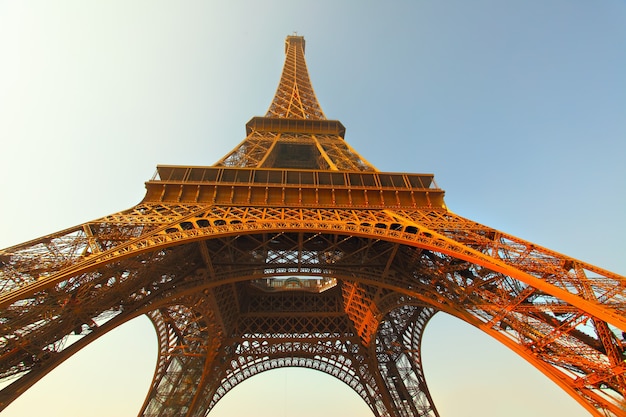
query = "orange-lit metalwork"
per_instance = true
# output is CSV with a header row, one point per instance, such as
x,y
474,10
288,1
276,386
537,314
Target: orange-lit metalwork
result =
x,y
293,250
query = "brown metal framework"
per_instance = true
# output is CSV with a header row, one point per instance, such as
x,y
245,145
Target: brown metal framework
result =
x,y
293,250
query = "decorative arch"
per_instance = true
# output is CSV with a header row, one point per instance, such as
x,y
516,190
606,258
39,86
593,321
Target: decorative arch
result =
x,y
378,251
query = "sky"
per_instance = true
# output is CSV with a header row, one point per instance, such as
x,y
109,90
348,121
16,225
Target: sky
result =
x,y
517,107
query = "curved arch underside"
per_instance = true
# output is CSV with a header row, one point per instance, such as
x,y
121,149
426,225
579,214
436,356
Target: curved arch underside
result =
x,y
212,279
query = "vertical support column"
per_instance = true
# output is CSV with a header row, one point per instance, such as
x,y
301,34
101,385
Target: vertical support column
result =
x,y
188,344
398,350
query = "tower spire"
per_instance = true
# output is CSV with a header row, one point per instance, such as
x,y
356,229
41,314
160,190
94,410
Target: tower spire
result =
x,y
295,98
295,133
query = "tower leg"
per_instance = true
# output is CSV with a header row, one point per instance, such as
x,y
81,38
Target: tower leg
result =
x,y
188,345
398,350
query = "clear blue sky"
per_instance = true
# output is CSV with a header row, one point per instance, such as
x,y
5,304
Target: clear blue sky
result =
x,y
517,107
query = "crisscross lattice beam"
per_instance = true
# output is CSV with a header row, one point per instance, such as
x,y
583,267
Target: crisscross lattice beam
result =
x,y
295,98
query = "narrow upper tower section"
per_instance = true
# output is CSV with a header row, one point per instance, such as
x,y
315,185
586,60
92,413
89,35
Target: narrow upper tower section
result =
x,y
295,98
293,156
295,134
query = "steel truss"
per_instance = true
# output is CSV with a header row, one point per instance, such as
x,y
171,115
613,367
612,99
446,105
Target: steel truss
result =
x,y
294,251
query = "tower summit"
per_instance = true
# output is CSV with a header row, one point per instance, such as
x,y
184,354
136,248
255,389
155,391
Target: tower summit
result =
x,y
295,133
293,250
295,98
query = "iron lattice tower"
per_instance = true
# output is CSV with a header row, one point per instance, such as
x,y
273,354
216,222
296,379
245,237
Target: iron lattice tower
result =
x,y
293,250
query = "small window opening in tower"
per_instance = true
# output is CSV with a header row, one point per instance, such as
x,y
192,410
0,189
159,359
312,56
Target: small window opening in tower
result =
x,y
295,283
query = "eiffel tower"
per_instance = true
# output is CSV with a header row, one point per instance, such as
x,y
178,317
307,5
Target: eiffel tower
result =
x,y
294,251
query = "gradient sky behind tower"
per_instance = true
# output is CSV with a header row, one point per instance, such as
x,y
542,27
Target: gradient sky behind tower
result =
x,y
518,107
